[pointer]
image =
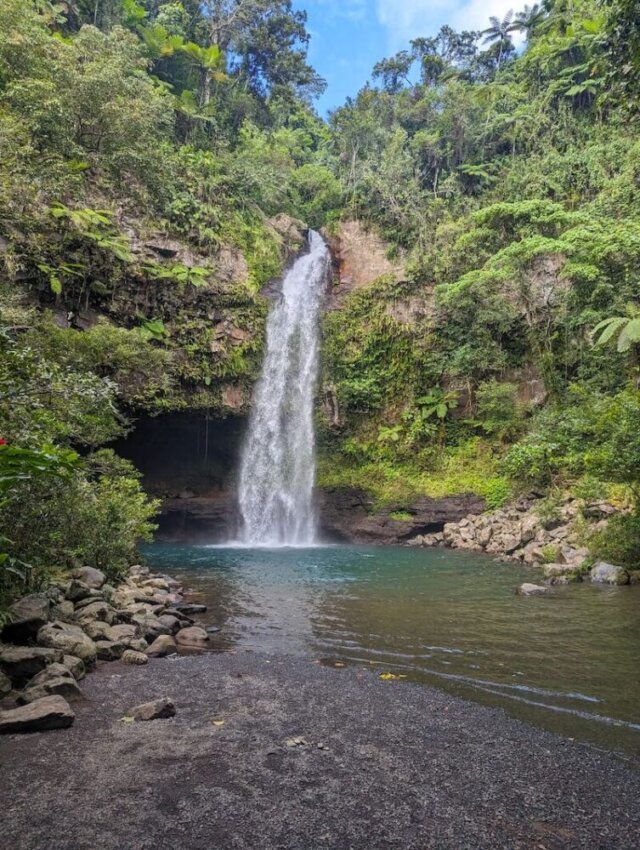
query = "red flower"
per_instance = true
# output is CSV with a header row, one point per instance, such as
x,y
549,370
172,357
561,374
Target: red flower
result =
x,y
3,442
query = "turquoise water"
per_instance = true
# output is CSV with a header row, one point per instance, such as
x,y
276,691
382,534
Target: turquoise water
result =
x,y
569,661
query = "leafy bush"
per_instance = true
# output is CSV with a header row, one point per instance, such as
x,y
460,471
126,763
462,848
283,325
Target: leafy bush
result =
x,y
619,542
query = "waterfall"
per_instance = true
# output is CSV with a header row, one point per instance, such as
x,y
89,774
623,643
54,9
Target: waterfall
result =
x,y
278,463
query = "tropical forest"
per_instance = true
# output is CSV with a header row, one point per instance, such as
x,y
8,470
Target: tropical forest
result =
x,y
319,424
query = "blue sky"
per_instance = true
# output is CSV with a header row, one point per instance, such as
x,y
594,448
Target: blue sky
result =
x,y
349,36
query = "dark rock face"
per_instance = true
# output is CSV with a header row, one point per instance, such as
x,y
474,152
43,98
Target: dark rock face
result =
x,y
27,616
21,663
348,516
51,712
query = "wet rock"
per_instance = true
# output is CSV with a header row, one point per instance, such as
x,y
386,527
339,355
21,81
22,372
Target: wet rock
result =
x,y
52,712
213,630
163,645
68,638
75,666
130,656
555,570
159,709
27,616
192,636
109,651
189,608
527,589
604,573
91,577
21,663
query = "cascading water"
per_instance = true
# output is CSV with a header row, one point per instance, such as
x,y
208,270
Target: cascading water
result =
x,y
278,463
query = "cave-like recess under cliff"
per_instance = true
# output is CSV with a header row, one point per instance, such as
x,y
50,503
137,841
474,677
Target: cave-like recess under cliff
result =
x,y
190,461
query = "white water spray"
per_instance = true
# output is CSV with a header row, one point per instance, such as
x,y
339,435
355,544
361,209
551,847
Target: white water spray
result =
x,y
278,464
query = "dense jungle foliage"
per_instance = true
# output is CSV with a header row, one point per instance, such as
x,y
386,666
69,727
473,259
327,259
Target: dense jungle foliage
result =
x,y
145,149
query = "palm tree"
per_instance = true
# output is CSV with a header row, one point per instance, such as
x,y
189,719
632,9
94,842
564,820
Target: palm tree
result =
x,y
528,21
500,32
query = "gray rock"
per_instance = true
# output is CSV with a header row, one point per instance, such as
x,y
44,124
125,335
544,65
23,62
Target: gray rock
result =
x,y
603,573
5,685
75,666
527,589
162,645
52,712
159,709
77,590
70,639
189,608
109,651
99,610
554,570
130,656
27,616
56,679
192,636
63,610
91,577
122,631
21,663
150,626
170,622
97,630
213,630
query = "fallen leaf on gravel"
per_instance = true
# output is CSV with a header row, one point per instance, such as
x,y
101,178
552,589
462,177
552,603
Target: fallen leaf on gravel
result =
x,y
389,676
339,664
218,722
296,742
127,719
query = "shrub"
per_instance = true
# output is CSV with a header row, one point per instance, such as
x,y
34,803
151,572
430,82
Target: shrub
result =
x,y
619,542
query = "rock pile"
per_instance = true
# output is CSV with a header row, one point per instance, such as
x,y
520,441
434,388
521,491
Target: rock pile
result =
x,y
53,638
523,532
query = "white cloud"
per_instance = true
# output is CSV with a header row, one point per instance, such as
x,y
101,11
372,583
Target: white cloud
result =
x,y
407,19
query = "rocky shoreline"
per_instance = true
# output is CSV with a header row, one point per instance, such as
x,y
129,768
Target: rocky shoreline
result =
x,y
531,533
54,638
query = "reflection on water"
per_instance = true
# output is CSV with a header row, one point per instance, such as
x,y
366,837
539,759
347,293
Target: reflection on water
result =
x,y
567,661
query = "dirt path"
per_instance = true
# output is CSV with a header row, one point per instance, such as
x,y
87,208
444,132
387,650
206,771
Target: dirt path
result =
x,y
403,767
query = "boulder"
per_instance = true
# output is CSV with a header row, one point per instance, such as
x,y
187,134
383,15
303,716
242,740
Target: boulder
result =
x,y
108,650
555,570
52,712
77,590
150,627
91,577
130,656
192,636
98,610
527,589
63,610
97,630
604,573
75,666
68,638
56,679
122,631
27,615
136,644
159,709
21,663
529,528
158,583
5,685
163,645
190,608
170,622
